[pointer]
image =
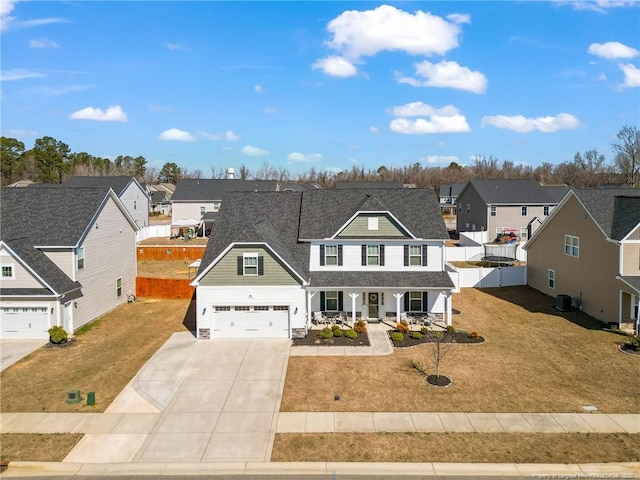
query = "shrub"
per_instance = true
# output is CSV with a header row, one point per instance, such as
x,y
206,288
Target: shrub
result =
x,y
403,326
335,328
424,330
326,333
337,332
397,337
474,335
416,335
634,343
360,326
351,333
451,329
58,334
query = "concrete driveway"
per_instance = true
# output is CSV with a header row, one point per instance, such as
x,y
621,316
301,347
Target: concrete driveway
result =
x,y
206,401
13,350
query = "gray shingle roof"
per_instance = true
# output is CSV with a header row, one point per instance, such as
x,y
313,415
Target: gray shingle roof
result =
x,y
117,184
56,216
366,185
516,191
633,281
615,210
403,280
199,189
452,189
323,212
50,273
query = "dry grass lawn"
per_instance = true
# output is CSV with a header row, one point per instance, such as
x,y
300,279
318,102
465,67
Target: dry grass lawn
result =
x,y
535,359
457,447
29,447
162,269
102,360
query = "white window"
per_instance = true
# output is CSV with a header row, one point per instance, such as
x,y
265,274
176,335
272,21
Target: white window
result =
x,y
134,204
572,246
203,210
545,210
7,272
552,278
80,258
373,255
216,206
493,211
498,231
373,223
250,266
331,301
468,208
331,255
415,255
459,208
119,287
415,302
524,211
523,233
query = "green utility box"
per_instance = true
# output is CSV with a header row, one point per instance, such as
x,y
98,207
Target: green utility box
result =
x,y
91,398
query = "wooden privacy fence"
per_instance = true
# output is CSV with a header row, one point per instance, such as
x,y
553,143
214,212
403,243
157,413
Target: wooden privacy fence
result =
x,y
170,252
170,288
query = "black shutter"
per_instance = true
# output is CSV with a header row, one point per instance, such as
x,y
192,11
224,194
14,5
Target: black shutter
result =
x,y
406,301
322,255
382,255
240,265
364,255
322,302
424,255
406,255
260,265
340,304
425,300
340,255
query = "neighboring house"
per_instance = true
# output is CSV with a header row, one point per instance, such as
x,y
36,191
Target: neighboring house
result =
x,y
67,256
133,196
342,185
160,201
275,258
449,197
21,183
505,206
589,249
169,188
200,199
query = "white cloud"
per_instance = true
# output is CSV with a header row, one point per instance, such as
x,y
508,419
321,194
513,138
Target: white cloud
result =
x,y
38,22
522,124
435,124
599,6
6,7
459,18
257,88
18,74
304,158
359,34
440,159
447,75
270,110
612,50
228,135
111,114
43,43
335,66
176,47
631,75
419,109
23,133
176,135
251,151
159,108
373,129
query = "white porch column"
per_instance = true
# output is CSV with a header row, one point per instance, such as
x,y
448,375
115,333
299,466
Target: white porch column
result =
x,y
354,297
398,296
310,295
447,300
59,307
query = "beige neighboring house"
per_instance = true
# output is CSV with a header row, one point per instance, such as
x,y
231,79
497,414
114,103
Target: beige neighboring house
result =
x,y
506,206
589,249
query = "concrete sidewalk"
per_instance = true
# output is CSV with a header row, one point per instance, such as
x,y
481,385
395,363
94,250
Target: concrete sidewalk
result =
x,y
379,344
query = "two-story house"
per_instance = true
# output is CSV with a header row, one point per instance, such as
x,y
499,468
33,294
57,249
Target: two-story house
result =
x,y
589,249
449,194
506,206
67,256
275,258
131,193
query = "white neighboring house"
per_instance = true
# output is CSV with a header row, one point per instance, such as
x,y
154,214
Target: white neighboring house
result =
x,y
276,257
67,256
133,196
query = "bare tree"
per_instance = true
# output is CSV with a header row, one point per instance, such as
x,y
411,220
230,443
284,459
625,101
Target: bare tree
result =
x,y
627,159
440,345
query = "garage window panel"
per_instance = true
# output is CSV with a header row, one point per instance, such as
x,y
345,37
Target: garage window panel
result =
x,y
241,308
281,308
261,308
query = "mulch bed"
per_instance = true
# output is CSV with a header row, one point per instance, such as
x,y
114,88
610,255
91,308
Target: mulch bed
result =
x,y
313,340
458,337
628,348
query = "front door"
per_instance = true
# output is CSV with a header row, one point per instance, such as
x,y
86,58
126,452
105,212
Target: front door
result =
x,y
374,304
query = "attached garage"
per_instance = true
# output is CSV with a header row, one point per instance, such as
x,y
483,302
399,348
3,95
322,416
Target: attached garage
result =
x,y
24,322
263,321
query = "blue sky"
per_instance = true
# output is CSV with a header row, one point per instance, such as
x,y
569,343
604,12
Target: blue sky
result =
x,y
327,85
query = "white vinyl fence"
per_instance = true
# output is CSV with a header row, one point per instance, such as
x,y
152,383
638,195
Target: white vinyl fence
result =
x,y
487,277
151,231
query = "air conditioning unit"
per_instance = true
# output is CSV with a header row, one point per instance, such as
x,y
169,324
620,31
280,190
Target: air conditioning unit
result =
x,y
563,303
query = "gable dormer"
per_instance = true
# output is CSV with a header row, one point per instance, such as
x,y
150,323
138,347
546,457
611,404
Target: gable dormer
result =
x,y
373,225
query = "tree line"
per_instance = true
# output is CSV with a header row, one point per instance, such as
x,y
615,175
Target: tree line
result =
x,y
51,161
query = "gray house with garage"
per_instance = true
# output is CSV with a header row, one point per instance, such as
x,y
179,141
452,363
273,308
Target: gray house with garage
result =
x,y
274,258
67,256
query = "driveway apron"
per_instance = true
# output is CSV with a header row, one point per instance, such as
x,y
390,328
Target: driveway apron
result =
x,y
214,401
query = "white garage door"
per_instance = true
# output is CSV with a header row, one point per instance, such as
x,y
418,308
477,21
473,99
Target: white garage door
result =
x,y
24,323
265,321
